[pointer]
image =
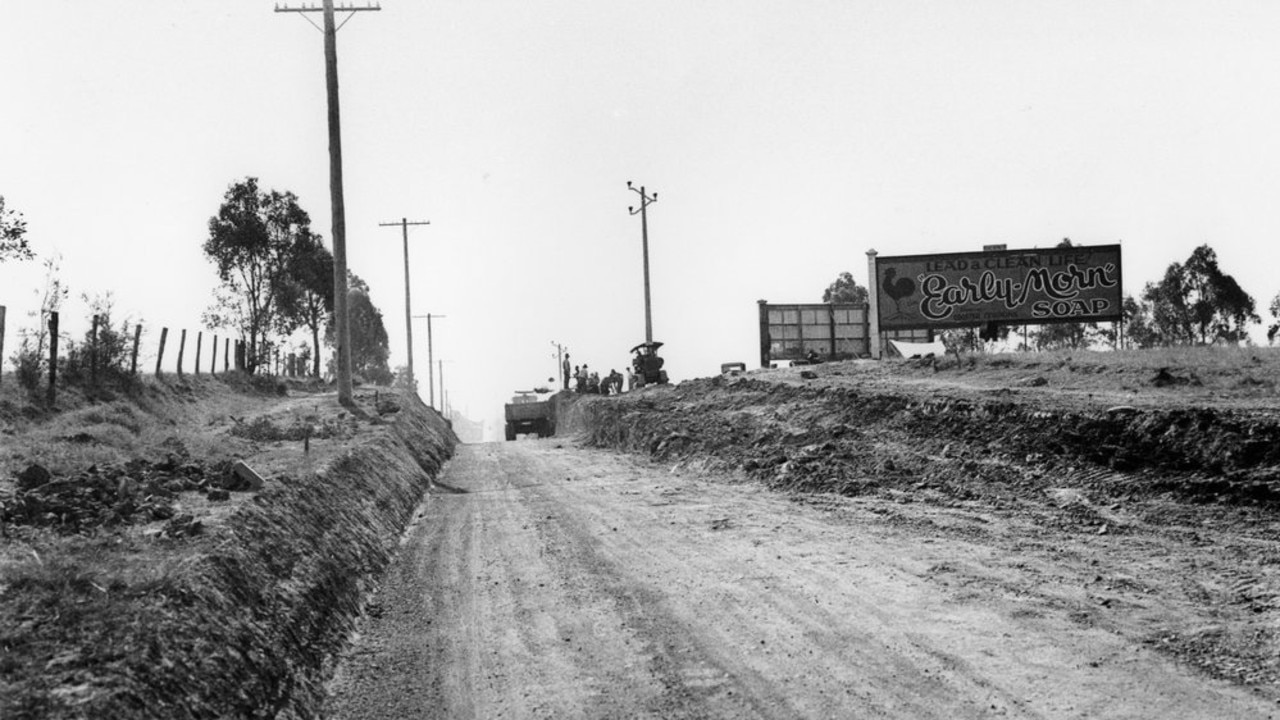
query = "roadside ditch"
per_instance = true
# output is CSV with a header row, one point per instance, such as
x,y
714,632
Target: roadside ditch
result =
x,y
240,619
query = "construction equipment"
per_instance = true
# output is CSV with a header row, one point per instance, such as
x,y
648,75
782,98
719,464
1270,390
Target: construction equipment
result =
x,y
647,365
527,415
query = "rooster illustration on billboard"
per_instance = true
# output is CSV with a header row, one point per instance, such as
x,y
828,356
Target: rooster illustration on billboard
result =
x,y
897,288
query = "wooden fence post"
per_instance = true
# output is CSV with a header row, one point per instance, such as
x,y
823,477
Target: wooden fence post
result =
x,y
199,342
226,354
53,357
1,342
164,335
213,361
182,347
93,353
133,362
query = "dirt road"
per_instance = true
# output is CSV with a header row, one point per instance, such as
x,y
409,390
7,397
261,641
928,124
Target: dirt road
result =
x,y
546,580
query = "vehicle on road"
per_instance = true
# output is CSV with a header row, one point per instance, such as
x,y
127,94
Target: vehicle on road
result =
x,y
527,415
647,365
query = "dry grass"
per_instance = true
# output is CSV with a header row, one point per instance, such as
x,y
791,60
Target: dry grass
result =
x,y
1194,375
166,415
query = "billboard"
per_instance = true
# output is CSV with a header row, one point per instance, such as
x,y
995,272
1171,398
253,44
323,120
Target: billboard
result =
x,y
1061,284
835,331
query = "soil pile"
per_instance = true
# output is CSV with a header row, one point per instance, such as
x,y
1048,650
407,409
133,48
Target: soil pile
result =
x,y
856,440
109,495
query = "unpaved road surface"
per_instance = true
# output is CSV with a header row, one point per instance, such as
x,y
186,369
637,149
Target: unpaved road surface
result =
x,y
546,580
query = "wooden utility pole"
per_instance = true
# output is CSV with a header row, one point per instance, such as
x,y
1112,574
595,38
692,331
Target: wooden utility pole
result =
x,y
338,209
408,316
561,372
431,379
645,200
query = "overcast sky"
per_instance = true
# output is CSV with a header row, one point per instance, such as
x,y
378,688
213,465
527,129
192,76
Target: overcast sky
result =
x,y
784,140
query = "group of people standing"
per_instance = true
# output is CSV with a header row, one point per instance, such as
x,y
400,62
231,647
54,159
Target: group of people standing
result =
x,y
584,380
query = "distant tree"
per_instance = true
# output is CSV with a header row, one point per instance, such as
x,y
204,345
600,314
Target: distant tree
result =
x,y
845,290
1196,302
307,300
403,380
1275,314
1138,327
251,240
13,231
370,346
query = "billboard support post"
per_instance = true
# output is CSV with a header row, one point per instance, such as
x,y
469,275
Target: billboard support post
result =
x,y
766,343
873,306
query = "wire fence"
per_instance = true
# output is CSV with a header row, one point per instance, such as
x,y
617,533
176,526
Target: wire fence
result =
x,y
202,352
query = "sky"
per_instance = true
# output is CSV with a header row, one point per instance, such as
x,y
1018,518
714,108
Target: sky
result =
x,y
784,140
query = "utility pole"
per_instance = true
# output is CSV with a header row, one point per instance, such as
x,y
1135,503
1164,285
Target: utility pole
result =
x,y
338,208
444,399
408,318
645,200
562,376
431,381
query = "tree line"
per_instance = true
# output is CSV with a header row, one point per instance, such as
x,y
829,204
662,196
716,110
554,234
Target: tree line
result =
x,y
1194,303
276,279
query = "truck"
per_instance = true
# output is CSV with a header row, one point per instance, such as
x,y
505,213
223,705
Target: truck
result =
x,y
527,415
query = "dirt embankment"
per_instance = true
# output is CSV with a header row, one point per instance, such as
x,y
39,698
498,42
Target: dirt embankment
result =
x,y
854,439
1146,508
240,619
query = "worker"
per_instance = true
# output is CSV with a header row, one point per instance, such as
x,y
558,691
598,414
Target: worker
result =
x,y
564,370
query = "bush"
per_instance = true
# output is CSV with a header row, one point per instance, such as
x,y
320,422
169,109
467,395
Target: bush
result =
x,y
101,362
28,364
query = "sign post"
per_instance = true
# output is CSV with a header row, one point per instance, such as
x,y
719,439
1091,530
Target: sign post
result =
x,y
873,307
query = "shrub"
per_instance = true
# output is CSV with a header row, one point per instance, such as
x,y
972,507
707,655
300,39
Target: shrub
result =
x,y
28,363
101,362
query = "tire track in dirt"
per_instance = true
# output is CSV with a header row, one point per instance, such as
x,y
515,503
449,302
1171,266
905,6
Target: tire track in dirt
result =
x,y
572,583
